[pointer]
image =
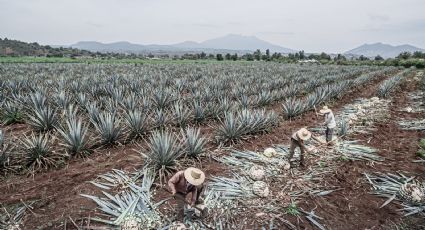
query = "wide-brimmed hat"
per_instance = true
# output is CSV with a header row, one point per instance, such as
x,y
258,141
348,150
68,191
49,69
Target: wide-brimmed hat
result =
x,y
303,134
325,109
194,176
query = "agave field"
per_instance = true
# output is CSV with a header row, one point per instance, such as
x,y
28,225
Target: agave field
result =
x,y
54,116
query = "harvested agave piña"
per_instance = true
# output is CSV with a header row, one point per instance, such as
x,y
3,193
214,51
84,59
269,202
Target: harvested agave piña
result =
x,y
413,193
261,189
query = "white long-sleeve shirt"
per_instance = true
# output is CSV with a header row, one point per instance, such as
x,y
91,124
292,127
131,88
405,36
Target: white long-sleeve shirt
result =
x,y
330,120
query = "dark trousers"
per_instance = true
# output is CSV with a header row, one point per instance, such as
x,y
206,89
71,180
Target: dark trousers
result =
x,y
294,145
329,132
180,199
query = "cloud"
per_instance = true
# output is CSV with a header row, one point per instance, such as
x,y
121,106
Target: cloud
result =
x,y
206,25
378,17
93,24
410,26
275,33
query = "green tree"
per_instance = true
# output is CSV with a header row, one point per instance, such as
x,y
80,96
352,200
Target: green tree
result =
x,y
363,58
418,54
235,57
249,57
404,55
325,56
301,54
257,55
219,57
379,58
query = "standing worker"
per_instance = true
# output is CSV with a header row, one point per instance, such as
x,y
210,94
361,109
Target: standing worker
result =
x,y
183,183
297,140
329,122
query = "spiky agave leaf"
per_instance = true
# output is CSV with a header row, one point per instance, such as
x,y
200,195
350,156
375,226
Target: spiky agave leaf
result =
x,y
5,154
256,121
264,98
38,154
160,119
388,86
194,143
39,101
74,136
230,130
136,202
393,187
136,123
293,107
12,219
199,112
244,101
343,128
44,118
163,151
130,102
108,128
12,113
224,106
181,113
70,111
62,100
162,98
93,111
82,99
118,180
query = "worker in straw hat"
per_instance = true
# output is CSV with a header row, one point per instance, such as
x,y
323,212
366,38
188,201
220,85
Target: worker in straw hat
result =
x,y
297,140
183,183
329,122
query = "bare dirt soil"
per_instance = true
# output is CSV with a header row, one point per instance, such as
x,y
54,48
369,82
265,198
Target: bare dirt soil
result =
x,y
58,203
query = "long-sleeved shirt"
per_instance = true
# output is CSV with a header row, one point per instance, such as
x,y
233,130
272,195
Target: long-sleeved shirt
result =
x,y
179,184
330,120
299,141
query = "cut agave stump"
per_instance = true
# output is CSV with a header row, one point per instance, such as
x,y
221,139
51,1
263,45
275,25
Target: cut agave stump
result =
x,y
256,172
261,189
413,193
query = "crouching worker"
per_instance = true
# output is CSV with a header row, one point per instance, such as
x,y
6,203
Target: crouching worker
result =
x,y
329,123
183,183
297,140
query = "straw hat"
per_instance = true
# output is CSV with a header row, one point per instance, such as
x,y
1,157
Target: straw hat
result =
x,y
194,176
324,110
303,134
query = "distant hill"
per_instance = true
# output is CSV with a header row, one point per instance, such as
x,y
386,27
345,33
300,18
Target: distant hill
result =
x,y
9,47
384,50
230,43
119,47
235,42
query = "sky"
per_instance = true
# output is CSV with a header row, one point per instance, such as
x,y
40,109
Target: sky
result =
x,y
311,25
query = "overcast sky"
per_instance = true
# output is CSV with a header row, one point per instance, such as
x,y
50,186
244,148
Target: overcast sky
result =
x,y
311,25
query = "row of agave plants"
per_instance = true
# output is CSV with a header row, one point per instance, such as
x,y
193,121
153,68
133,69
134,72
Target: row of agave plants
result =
x,y
73,109
390,85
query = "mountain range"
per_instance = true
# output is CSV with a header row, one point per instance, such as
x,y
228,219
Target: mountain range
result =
x,y
384,50
228,43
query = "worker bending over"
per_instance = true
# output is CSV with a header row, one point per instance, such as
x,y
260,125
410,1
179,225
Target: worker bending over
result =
x,y
183,183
